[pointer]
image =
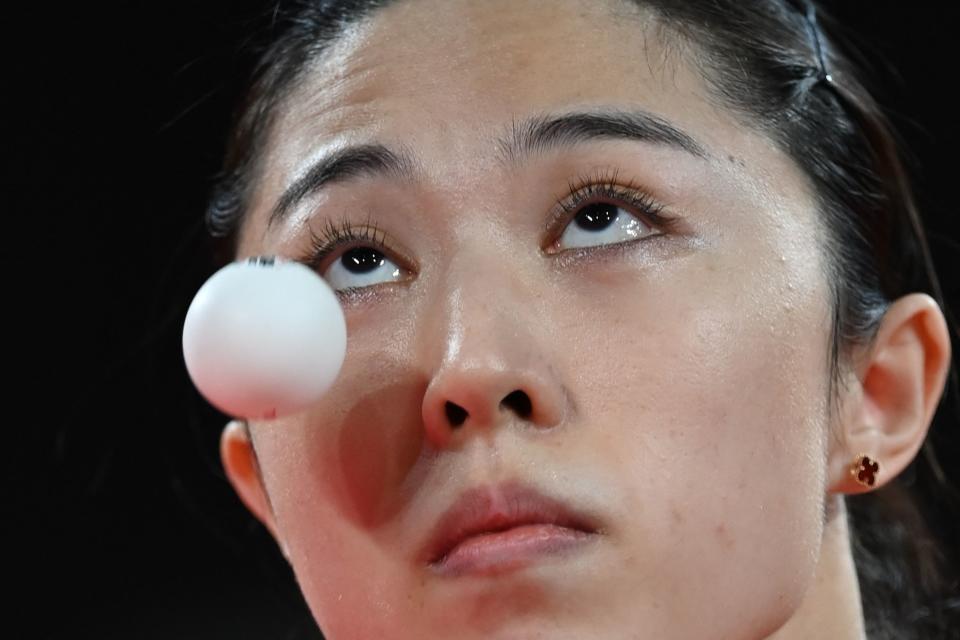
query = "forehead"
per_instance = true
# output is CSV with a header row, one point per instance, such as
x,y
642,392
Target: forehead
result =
x,y
447,77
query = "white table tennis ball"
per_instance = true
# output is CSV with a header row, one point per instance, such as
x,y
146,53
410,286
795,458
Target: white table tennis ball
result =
x,y
264,337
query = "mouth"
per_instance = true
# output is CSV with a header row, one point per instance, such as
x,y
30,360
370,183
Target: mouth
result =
x,y
494,529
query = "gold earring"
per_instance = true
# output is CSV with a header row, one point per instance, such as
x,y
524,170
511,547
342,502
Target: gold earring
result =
x,y
864,470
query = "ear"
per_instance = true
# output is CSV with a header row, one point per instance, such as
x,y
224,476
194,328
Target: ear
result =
x,y
243,470
890,401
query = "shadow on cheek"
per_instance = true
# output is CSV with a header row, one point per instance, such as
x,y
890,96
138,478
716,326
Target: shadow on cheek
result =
x,y
377,445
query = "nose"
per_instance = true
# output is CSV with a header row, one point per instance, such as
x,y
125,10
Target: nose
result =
x,y
495,369
463,402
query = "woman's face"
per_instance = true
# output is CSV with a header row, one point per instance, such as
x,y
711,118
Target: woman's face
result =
x,y
676,373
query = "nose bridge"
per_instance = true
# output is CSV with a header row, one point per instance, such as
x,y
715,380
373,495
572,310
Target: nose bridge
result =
x,y
481,298
480,334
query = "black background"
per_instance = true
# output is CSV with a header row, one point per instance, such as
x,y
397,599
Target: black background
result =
x,y
128,526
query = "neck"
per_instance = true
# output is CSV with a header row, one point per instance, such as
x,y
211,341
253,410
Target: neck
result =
x,y
832,607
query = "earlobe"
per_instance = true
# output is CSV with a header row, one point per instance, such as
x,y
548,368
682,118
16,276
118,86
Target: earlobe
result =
x,y
889,407
240,464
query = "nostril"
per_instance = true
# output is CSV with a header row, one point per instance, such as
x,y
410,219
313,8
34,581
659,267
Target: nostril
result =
x,y
519,401
455,414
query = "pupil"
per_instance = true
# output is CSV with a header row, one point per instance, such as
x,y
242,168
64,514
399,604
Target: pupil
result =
x,y
597,216
362,259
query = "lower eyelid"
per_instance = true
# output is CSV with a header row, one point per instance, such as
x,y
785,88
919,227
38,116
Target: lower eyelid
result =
x,y
608,251
372,293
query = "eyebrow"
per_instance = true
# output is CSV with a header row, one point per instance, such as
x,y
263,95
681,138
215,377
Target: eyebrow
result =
x,y
531,136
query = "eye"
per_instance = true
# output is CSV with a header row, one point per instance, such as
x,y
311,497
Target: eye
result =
x,y
598,212
360,267
364,263
603,223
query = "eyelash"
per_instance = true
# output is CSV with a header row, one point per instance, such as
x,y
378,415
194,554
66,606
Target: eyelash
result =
x,y
598,187
602,186
336,234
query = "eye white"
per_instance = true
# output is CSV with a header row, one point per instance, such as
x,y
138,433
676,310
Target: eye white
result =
x,y
624,225
340,277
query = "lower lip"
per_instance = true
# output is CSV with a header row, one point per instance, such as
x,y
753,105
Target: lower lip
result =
x,y
494,553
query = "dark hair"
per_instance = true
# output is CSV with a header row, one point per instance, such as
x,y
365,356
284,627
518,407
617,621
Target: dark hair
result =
x,y
764,60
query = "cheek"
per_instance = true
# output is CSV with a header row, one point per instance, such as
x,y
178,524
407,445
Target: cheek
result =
x,y
714,426
323,498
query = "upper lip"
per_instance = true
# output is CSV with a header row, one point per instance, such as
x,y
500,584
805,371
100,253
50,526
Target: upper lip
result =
x,y
489,508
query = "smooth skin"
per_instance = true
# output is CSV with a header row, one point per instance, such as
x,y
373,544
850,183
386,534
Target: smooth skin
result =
x,y
677,382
